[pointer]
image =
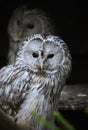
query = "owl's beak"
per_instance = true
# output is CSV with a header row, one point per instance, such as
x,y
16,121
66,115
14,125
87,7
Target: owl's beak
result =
x,y
42,60
20,34
41,65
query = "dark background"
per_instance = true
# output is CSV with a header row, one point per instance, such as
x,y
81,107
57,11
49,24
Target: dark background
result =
x,y
72,25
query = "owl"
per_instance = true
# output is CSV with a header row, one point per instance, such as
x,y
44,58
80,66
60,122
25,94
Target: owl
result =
x,y
25,22
34,82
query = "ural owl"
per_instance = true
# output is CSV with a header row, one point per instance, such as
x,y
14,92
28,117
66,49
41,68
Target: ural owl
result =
x,y
25,22
34,82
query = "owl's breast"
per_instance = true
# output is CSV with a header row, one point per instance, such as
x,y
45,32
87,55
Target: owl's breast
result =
x,y
36,102
40,99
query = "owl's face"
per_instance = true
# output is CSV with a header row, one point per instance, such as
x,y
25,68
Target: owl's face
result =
x,y
42,55
28,25
24,23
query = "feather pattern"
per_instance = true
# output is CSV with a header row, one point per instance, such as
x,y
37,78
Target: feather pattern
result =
x,y
34,82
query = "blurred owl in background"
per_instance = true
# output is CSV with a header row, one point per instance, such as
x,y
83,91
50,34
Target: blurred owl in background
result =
x,y
34,82
23,23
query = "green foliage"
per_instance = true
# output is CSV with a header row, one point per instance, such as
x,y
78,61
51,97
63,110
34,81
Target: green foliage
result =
x,y
45,122
86,110
65,124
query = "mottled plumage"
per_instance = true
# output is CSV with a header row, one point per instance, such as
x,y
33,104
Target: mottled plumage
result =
x,y
23,23
34,82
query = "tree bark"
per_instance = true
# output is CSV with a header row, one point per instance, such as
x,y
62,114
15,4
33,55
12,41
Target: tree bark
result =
x,y
74,97
8,123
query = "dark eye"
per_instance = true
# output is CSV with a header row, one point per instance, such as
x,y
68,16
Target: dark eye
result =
x,y
18,22
35,55
50,56
30,26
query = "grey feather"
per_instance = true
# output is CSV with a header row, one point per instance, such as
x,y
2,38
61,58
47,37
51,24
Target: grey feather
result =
x,y
34,82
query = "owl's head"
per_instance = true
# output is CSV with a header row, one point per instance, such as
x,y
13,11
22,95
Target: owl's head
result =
x,y
45,54
25,22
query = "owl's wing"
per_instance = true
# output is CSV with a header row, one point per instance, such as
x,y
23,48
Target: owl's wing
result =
x,y
14,85
5,73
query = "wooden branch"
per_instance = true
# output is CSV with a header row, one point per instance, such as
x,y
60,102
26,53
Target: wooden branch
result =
x,y
8,123
74,97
